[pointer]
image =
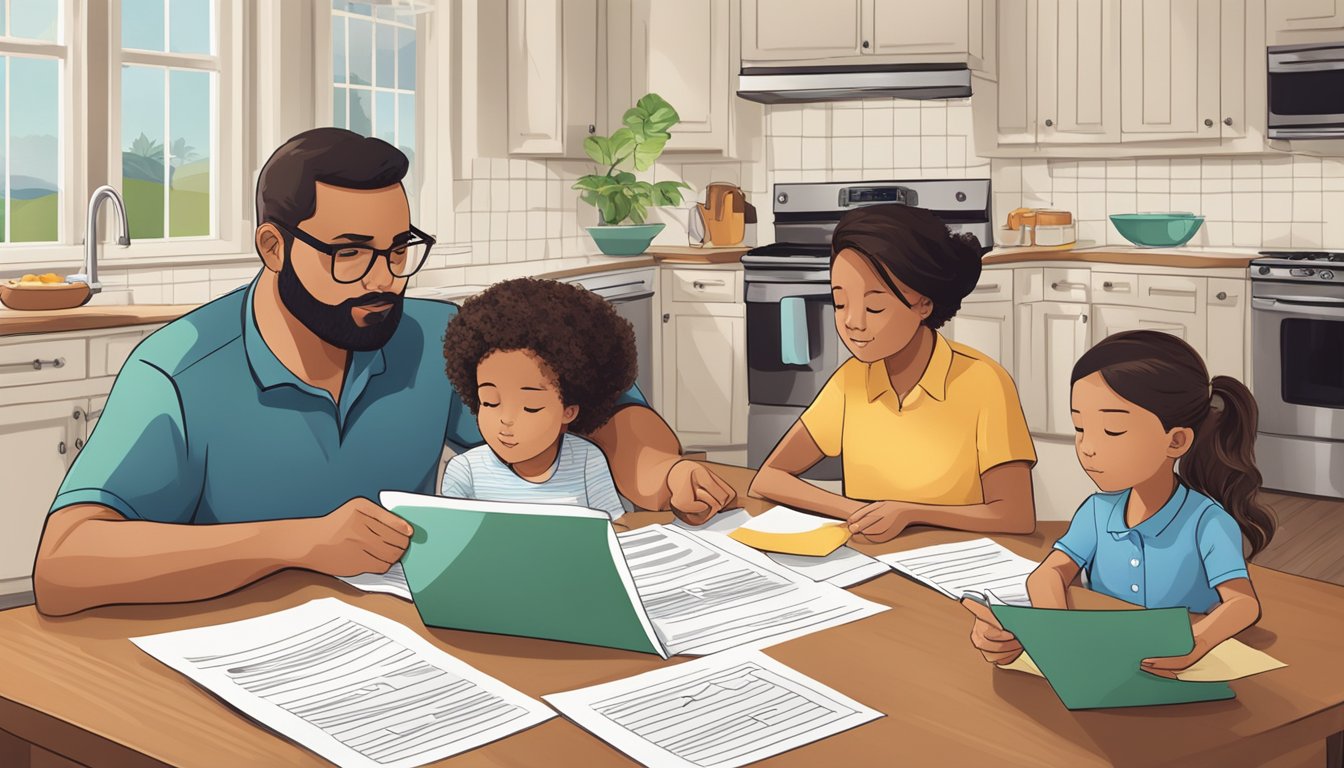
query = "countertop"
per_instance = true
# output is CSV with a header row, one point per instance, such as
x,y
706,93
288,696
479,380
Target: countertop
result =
x,y
1180,258
14,322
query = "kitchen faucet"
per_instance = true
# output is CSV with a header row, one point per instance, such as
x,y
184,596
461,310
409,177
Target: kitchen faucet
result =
x,y
90,273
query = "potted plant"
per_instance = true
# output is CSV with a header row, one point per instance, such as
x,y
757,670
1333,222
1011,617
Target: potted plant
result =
x,y
617,194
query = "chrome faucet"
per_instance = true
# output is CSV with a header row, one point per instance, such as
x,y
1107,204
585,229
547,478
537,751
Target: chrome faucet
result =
x,y
90,273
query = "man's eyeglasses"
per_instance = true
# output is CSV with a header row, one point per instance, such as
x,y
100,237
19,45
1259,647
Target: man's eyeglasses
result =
x,y
350,262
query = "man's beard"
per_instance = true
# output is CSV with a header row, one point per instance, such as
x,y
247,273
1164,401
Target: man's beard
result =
x,y
336,324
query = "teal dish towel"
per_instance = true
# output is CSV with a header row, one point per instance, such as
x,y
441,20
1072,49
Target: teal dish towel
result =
x,y
793,331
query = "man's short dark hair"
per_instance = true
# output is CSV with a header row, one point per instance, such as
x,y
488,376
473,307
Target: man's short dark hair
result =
x,y
580,337
916,247
287,186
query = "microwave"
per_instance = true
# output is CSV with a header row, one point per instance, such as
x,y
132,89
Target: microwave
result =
x,y
1306,91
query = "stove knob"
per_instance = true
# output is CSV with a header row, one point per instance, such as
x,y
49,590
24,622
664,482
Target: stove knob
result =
x,y
782,198
1302,272
1327,275
1264,270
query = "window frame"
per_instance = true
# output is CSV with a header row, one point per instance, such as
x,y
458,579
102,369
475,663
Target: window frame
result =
x,y
87,32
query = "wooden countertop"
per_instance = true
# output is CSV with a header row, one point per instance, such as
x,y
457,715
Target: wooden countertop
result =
x,y
77,686
1180,258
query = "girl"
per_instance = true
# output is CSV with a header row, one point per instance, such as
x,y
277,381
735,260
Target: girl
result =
x,y
929,431
535,361
1172,453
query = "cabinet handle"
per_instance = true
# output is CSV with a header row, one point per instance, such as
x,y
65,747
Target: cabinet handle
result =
x,y
592,129
1227,121
1208,123
865,43
60,447
666,317
1055,286
1221,296
700,284
79,443
36,365
1083,317
1049,122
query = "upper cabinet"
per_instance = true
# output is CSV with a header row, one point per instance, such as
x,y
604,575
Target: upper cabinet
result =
x,y
865,31
1079,76
552,76
1305,21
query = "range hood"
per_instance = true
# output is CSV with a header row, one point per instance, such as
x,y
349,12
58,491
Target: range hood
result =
x,y
789,85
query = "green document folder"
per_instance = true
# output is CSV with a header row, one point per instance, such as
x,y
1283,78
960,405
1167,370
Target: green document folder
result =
x,y
1091,658
551,571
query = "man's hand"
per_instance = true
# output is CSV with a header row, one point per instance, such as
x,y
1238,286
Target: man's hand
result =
x,y
1169,666
996,644
358,537
697,493
879,521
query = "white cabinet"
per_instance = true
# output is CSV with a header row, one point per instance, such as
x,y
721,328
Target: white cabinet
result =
x,y
1305,21
1225,352
1051,337
1181,61
680,51
867,31
986,327
552,76
1017,88
1108,320
1078,91
37,443
703,392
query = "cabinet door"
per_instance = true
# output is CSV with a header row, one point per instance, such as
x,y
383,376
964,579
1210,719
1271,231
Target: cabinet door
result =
x,y
704,377
775,30
1054,337
1079,80
918,27
89,417
987,327
37,444
1185,325
1301,21
1017,43
536,90
1233,48
1227,316
1169,60
680,52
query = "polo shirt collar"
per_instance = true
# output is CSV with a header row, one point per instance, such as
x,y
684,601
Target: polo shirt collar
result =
x,y
1153,526
269,372
934,380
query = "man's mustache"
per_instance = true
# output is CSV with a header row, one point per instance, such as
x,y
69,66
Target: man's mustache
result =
x,y
373,298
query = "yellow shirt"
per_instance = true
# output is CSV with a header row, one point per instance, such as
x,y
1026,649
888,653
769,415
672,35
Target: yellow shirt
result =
x,y
962,418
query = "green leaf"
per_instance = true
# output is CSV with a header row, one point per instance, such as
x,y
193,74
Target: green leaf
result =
x,y
625,177
607,209
599,149
591,182
648,151
621,206
622,143
668,192
639,212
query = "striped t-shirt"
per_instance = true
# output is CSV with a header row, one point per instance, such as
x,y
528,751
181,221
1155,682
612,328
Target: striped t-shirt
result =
x,y
581,477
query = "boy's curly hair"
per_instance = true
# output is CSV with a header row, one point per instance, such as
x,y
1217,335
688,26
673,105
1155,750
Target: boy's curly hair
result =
x,y
587,346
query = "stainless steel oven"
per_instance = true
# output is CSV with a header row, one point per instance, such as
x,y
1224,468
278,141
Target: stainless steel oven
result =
x,y
1306,91
1297,306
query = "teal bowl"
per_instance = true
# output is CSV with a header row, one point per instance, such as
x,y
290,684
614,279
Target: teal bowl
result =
x,y
625,239
1157,230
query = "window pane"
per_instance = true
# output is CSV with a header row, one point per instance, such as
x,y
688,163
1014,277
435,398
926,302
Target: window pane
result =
x,y
360,118
362,9
406,125
33,19
142,24
4,166
385,116
190,26
406,59
338,49
142,156
34,165
189,179
361,52
338,107
4,22
386,56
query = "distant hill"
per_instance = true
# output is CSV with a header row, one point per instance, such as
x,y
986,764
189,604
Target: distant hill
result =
x,y
193,177
135,166
29,188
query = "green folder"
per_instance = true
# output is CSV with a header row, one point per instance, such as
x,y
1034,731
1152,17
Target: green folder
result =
x,y
1091,658
551,571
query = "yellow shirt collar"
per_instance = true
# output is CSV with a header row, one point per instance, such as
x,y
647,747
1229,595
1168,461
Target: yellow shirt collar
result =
x,y
934,380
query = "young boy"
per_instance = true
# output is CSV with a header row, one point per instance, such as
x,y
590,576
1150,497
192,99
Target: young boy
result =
x,y
536,361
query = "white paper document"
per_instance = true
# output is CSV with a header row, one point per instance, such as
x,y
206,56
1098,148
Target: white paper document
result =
x,y
725,710
393,582
788,520
706,593
354,687
844,567
982,565
727,521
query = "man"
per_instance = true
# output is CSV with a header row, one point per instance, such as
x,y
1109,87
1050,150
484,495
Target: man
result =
x,y
250,435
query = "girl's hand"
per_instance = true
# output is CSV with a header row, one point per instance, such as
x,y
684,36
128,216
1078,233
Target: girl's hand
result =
x,y
879,521
996,644
1169,666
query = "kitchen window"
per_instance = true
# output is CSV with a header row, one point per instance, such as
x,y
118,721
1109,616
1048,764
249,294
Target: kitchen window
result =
x,y
126,93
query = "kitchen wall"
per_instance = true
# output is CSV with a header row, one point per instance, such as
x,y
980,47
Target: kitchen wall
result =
x,y
1275,201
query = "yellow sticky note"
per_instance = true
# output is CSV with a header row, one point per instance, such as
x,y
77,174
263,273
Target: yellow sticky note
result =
x,y
1230,660
815,543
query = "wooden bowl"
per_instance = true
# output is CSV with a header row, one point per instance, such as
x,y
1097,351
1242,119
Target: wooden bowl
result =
x,y
40,296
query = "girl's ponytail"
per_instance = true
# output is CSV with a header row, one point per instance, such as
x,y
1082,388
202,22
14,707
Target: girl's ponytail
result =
x,y
1221,462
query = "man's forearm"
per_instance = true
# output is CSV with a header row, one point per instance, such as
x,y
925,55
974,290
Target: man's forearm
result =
x,y
640,448
91,556
992,517
784,488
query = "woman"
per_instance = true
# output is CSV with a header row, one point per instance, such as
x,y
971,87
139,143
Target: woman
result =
x,y
930,432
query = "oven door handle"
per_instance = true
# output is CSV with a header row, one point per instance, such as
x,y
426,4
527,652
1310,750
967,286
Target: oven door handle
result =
x,y
1293,308
771,293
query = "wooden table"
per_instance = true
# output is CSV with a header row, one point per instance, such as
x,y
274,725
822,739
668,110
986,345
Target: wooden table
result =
x,y
75,687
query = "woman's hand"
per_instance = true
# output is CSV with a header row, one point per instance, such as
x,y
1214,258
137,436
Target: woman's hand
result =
x,y
1169,666
996,644
880,521
697,493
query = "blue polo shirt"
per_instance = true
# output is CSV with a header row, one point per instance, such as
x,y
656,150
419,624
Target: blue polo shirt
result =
x,y
1177,557
205,425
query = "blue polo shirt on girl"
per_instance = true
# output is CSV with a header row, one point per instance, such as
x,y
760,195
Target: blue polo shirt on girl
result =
x,y
1177,557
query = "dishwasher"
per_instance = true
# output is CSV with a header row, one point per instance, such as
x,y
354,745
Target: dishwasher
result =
x,y
630,291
